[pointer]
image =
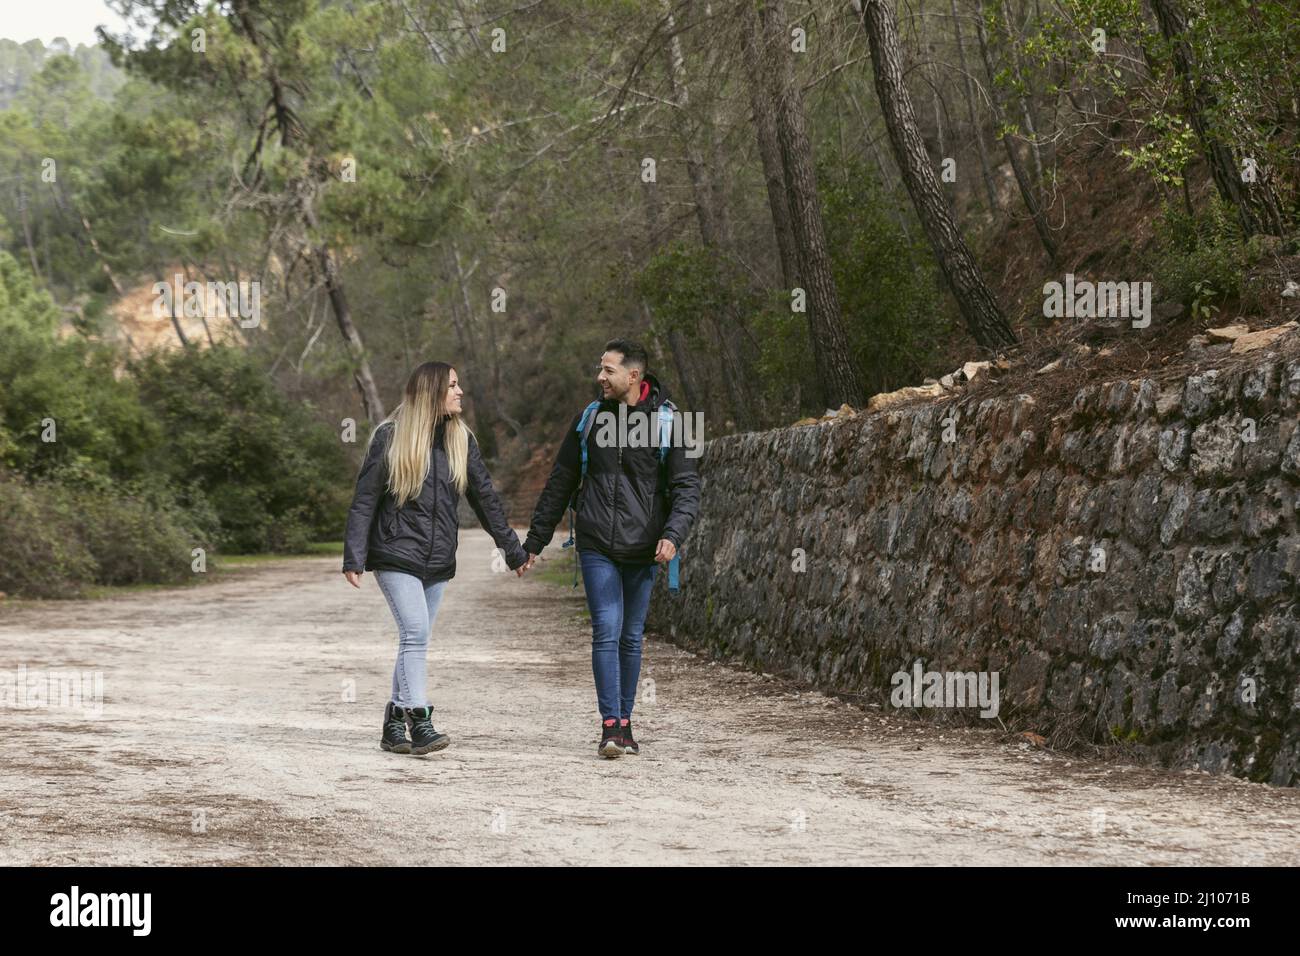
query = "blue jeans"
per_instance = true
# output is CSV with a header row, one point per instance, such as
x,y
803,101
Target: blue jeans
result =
x,y
618,596
414,607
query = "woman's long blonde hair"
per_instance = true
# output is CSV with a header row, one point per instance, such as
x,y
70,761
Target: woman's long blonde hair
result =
x,y
415,420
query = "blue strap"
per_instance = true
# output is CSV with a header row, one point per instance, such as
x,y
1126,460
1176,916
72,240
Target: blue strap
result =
x,y
665,442
665,430
584,428
582,431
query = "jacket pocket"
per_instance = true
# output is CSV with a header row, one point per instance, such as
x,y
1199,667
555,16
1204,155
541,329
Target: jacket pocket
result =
x,y
595,509
382,520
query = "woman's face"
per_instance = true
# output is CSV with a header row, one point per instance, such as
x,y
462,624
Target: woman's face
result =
x,y
452,400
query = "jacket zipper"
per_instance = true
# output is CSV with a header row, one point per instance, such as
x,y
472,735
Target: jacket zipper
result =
x,y
613,514
433,507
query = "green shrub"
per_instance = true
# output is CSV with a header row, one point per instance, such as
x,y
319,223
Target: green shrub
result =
x,y
886,278
193,448
274,476
135,538
100,429
61,538
1200,260
45,556
785,361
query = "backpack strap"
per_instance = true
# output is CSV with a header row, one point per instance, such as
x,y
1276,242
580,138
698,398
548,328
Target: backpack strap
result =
x,y
666,412
585,423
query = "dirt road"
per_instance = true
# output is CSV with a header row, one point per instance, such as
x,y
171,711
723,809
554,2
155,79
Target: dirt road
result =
x,y
225,737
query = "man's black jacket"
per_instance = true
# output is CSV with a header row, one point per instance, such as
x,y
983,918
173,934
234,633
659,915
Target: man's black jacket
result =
x,y
420,537
628,500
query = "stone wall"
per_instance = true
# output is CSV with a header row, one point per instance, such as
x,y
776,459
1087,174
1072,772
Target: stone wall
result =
x,y
1129,564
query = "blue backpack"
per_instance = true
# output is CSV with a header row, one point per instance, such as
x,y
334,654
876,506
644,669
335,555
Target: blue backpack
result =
x,y
585,424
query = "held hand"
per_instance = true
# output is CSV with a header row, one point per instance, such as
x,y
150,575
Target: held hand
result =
x,y
526,565
354,577
666,551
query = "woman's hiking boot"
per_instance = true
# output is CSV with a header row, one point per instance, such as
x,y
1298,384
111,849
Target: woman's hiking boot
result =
x,y
424,739
394,738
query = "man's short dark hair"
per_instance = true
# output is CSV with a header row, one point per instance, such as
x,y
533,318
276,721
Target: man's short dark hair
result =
x,y
634,355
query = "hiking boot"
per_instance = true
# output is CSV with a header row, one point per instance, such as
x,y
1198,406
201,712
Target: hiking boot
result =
x,y
611,740
629,745
424,739
394,738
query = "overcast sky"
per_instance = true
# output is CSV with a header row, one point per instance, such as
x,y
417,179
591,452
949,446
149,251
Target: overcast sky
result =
x,y
43,20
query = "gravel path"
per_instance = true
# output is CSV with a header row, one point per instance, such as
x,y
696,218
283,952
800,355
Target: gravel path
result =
x,y
225,737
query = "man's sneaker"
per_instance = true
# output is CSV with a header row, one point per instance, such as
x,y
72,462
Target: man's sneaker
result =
x,y
629,745
394,738
424,739
611,740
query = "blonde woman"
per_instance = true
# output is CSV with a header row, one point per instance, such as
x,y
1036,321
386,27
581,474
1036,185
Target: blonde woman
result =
x,y
402,525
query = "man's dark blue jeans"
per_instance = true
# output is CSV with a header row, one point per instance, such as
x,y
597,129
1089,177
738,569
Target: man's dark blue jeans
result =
x,y
618,596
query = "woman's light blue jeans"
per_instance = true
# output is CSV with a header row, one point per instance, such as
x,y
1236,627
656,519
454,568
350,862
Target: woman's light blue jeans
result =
x,y
414,607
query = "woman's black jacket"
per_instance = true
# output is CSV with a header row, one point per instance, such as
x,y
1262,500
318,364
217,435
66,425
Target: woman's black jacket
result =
x,y
421,536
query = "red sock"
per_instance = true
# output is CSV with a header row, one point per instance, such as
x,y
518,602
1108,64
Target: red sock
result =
x,y
610,722
622,721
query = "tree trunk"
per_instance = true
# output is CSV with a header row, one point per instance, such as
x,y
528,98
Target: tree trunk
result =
x,y
1017,167
176,322
717,161
231,275
978,307
365,382
69,210
934,84
486,386
675,343
464,335
972,114
769,151
836,370
479,385
696,170
1027,111
680,359
203,315
1225,170
292,134
103,263
711,229
27,234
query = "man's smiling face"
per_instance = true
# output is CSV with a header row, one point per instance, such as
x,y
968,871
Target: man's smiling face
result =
x,y
615,378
